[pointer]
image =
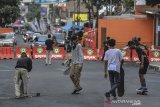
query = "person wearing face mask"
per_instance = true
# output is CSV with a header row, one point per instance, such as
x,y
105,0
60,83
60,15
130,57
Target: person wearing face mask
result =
x,y
77,64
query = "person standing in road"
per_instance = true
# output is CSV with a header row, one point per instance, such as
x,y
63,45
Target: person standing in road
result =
x,y
144,63
49,48
23,66
77,64
112,60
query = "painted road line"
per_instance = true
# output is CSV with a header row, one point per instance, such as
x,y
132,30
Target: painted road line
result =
x,y
5,70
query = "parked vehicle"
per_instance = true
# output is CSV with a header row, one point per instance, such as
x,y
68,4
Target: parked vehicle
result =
x,y
40,40
8,39
60,38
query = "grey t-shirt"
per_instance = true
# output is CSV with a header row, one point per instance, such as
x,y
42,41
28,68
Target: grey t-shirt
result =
x,y
77,55
113,56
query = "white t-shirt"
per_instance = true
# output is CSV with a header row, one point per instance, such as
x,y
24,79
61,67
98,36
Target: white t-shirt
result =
x,y
113,56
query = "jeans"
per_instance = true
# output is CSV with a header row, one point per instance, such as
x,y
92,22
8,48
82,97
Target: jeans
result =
x,y
115,81
48,56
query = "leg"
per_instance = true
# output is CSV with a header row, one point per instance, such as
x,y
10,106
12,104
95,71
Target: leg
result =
x,y
78,70
25,81
47,55
17,79
114,80
50,57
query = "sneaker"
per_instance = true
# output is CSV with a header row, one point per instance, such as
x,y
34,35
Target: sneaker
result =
x,y
145,89
76,91
140,89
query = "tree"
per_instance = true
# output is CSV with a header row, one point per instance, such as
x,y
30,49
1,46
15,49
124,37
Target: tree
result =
x,y
152,2
34,10
9,11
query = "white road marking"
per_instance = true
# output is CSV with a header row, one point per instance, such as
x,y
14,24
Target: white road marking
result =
x,y
6,70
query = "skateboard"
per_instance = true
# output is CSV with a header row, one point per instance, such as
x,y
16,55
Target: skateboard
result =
x,y
30,96
142,92
120,89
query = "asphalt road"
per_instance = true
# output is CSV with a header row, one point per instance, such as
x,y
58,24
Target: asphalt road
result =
x,y
56,88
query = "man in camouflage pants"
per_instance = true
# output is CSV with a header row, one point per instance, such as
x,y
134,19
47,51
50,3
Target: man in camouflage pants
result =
x,y
77,64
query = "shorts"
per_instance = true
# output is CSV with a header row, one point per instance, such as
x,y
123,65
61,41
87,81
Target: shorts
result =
x,y
144,69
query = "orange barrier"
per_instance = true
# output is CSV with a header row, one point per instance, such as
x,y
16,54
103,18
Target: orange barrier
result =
x,y
154,55
39,52
20,49
58,53
6,52
126,55
90,54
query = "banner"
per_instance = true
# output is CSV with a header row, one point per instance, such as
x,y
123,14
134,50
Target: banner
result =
x,y
154,55
25,49
90,54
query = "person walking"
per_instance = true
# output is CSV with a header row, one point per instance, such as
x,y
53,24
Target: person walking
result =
x,y
23,66
112,60
77,64
49,49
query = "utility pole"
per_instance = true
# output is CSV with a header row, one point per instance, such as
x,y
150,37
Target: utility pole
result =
x,y
97,16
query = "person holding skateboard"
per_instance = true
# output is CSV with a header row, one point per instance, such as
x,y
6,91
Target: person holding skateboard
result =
x,y
112,60
144,63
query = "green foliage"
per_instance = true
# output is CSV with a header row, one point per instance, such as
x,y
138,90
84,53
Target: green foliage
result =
x,y
34,10
9,11
152,2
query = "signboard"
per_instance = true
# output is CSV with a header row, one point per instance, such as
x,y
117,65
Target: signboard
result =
x,y
81,17
43,11
140,2
48,1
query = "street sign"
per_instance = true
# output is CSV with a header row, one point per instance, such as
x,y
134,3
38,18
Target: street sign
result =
x,y
80,17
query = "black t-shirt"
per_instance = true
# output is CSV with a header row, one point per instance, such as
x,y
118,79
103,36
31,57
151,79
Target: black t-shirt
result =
x,y
49,43
141,53
24,63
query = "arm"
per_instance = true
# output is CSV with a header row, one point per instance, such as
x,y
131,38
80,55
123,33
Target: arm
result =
x,y
29,65
105,66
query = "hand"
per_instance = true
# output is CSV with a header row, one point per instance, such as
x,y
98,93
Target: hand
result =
x,y
105,75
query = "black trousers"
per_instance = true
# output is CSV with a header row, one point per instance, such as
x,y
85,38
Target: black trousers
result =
x,y
115,81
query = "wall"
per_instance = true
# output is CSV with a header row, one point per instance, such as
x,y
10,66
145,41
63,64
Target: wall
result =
x,y
123,29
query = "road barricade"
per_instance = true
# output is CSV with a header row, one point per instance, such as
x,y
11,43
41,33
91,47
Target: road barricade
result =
x,y
6,52
39,52
58,53
90,54
126,55
20,49
154,55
